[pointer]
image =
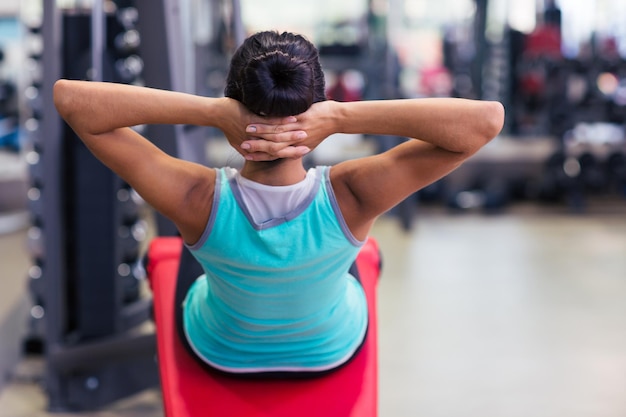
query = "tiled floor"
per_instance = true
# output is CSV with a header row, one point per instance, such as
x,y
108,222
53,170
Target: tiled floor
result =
x,y
521,314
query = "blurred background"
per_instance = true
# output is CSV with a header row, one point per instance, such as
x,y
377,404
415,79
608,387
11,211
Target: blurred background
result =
x,y
504,284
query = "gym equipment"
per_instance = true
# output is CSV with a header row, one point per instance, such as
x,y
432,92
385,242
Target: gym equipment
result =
x,y
87,315
490,196
9,136
590,160
190,391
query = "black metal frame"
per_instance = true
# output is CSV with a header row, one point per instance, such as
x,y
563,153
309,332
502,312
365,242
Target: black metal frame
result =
x,y
94,354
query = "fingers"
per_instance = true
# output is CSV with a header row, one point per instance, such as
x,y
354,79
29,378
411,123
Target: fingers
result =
x,y
277,132
265,146
263,150
294,152
274,138
289,137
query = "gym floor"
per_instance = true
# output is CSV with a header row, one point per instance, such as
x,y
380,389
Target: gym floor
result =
x,y
511,315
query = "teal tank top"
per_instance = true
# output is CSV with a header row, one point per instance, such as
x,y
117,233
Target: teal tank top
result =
x,y
275,296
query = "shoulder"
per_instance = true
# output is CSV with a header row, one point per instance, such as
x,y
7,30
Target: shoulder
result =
x,y
195,209
344,179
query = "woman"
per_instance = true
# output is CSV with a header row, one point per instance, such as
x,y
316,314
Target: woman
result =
x,y
275,241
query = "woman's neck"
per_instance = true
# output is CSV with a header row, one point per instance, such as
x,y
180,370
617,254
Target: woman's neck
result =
x,y
278,172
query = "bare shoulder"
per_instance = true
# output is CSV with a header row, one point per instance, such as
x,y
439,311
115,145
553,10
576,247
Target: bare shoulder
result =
x,y
370,186
195,209
344,178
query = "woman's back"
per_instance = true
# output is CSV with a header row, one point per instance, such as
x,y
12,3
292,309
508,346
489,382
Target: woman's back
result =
x,y
280,286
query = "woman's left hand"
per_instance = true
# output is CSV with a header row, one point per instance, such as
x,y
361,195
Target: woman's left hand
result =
x,y
284,143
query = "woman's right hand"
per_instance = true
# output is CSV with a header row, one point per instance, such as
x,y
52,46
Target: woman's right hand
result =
x,y
280,142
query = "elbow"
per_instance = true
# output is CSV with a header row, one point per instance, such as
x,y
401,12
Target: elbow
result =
x,y
61,99
494,119
491,123
69,105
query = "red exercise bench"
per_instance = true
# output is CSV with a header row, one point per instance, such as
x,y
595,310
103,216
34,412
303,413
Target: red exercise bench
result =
x,y
190,391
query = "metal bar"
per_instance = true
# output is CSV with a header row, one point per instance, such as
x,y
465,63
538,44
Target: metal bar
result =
x,y
54,272
98,36
158,73
52,155
239,32
480,44
101,354
136,313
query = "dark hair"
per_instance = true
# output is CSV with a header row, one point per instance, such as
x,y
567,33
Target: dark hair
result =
x,y
276,74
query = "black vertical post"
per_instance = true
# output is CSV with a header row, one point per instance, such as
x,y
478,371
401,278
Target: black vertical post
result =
x,y
158,73
91,357
53,268
480,43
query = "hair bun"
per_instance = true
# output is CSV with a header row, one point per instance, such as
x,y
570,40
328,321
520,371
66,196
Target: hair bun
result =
x,y
276,84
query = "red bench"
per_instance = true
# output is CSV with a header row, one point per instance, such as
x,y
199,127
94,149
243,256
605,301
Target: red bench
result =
x,y
190,391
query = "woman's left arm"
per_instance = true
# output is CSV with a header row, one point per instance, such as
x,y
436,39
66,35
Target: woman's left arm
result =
x,y
102,115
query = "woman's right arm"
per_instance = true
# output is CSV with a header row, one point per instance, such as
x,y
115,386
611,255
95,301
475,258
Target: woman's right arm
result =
x,y
447,131
453,124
